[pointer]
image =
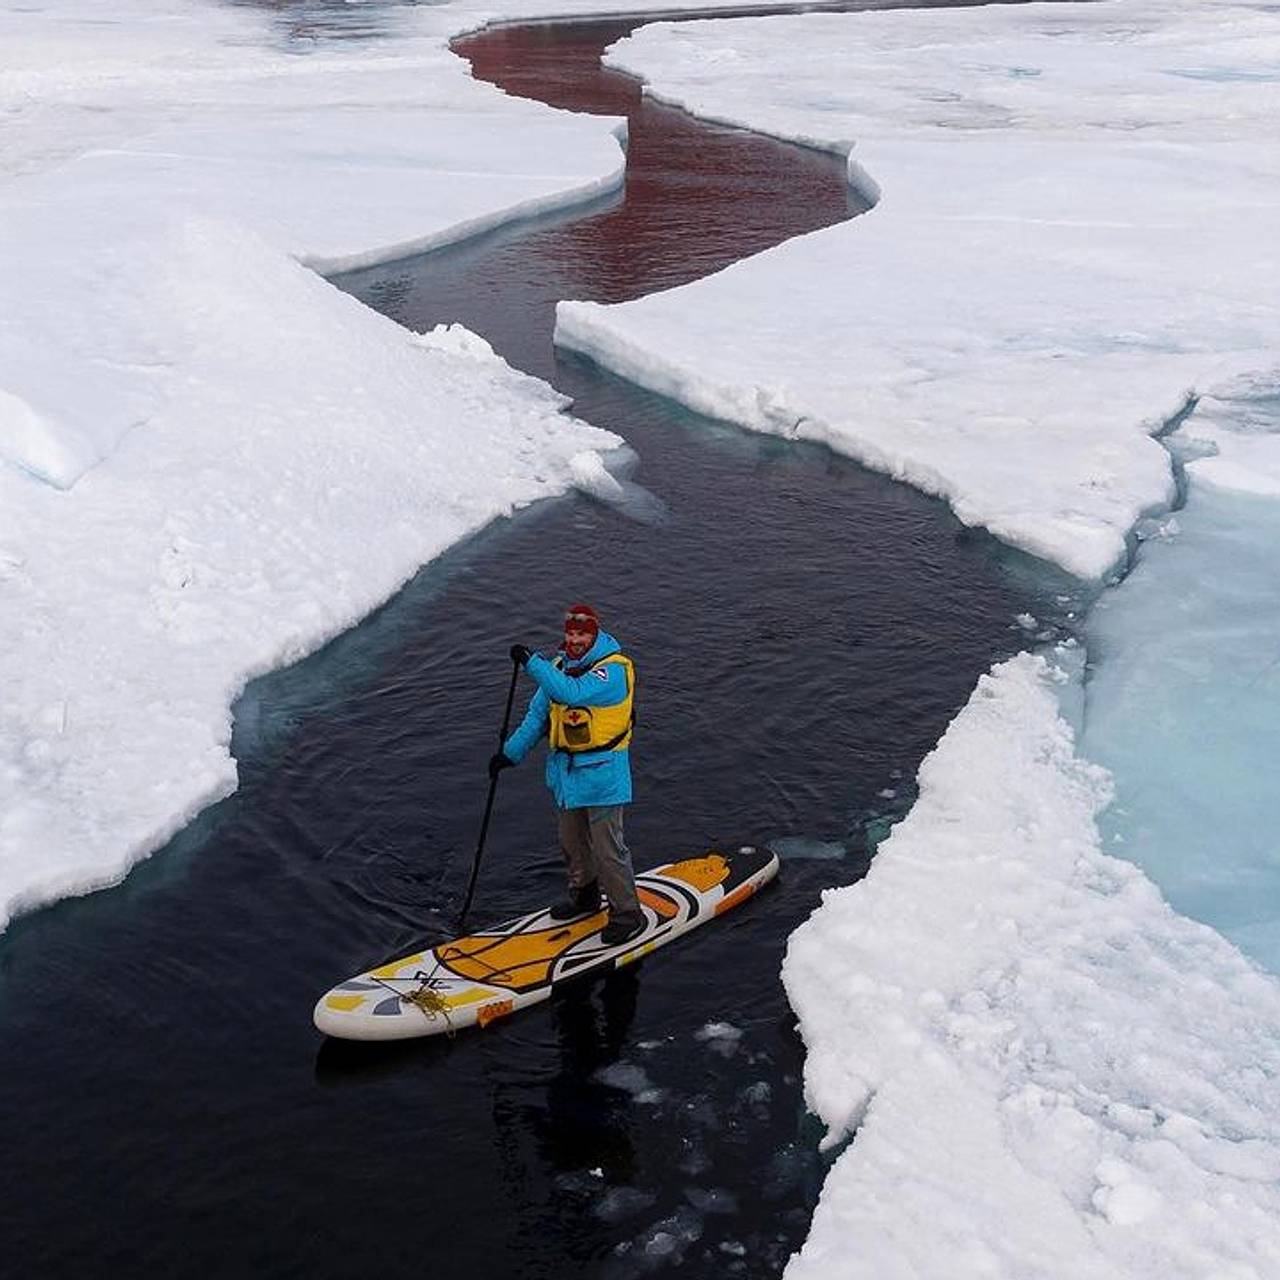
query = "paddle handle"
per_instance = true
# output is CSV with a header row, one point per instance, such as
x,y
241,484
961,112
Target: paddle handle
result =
x,y
493,790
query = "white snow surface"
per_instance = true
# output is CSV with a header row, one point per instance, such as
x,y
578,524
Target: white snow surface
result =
x,y
325,156
1075,233
1051,1073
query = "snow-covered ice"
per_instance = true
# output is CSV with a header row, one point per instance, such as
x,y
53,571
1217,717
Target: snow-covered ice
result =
x,y
314,455
323,156
210,459
1050,1071
1075,233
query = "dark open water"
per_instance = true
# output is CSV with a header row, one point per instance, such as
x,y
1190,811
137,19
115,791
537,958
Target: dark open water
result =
x,y
804,630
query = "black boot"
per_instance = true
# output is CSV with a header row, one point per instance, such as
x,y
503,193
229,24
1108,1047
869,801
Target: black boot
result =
x,y
580,902
622,928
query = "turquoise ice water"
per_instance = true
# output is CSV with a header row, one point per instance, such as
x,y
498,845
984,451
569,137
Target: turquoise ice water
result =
x,y
1183,707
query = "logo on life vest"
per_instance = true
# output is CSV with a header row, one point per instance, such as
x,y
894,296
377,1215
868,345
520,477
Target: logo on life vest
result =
x,y
600,674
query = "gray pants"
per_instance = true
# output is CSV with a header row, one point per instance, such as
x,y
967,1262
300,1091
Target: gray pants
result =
x,y
594,849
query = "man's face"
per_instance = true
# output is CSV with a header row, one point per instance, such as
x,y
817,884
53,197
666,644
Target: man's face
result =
x,y
576,640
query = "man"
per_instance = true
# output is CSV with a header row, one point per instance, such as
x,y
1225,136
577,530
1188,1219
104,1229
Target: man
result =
x,y
584,704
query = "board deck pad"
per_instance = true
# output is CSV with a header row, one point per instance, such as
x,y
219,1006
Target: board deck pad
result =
x,y
474,980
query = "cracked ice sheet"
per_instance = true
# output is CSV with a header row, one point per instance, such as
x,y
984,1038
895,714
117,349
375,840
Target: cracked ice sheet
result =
x,y
1075,232
249,460
1052,1073
145,123
318,454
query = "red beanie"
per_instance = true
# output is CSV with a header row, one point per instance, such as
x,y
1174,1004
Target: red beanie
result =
x,y
584,616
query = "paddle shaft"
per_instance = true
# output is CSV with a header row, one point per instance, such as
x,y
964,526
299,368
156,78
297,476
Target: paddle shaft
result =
x,y
493,788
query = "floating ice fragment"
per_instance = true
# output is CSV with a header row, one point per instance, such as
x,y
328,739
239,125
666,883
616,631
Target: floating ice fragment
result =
x,y
715,1200
668,1238
591,477
622,1202
1162,527
598,477
630,1079
721,1037
790,847
660,1245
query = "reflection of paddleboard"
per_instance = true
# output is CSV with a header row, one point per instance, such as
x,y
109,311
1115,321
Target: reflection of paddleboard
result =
x,y
491,974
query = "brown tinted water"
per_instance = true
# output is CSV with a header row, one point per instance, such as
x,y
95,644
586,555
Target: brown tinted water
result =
x,y
697,197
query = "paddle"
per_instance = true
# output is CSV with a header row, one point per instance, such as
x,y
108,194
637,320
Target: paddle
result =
x,y
493,787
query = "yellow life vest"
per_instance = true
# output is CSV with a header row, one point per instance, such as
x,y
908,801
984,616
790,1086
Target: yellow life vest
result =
x,y
580,729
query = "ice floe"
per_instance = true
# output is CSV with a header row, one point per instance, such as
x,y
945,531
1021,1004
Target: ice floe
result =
x,y
1049,1071
1073,238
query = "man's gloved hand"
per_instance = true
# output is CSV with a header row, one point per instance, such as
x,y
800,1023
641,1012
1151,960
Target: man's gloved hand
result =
x,y
497,763
521,654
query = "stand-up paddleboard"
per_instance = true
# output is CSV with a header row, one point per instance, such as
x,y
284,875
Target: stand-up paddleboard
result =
x,y
485,976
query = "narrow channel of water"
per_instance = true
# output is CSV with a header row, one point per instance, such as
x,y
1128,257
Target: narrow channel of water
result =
x,y
803,629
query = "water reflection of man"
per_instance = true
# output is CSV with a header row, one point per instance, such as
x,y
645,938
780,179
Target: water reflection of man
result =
x,y
584,704
564,1132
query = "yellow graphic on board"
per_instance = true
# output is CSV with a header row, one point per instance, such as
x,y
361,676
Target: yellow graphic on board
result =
x,y
516,961
469,996
701,873
343,1003
390,970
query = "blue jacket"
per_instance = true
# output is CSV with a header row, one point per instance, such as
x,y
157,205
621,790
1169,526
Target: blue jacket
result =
x,y
593,777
